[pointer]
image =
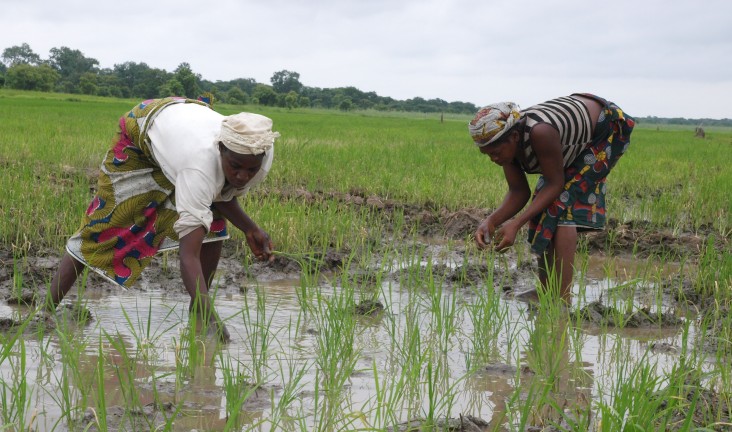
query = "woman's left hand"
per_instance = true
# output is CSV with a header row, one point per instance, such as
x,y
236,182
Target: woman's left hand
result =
x,y
260,244
506,236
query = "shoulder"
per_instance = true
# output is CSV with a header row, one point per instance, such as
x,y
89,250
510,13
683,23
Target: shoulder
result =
x,y
544,137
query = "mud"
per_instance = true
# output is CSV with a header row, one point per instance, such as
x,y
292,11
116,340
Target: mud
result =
x,y
601,315
461,424
25,275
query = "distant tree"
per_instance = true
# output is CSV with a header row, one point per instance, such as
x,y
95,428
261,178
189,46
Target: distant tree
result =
x,y
285,81
185,76
23,76
304,102
236,96
345,105
88,83
22,54
140,80
172,87
71,65
108,84
291,100
247,85
265,95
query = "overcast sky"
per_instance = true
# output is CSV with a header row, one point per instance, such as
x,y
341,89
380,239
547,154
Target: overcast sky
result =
x,y
666,58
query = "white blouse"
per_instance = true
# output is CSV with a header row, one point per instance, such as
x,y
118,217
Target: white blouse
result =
x,y
183,142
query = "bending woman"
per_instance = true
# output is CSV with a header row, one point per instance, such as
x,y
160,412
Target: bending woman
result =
x,y
171,179
573,142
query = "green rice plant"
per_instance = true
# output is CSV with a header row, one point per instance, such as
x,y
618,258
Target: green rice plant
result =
x,y
337,353
188,352
520,406
15,394
125,369
293,374
441,391
100,413
389,394
443,311
10,338
488,315
146,338
714,274
72,383
637,399
408,355
236,387
259,335
309,277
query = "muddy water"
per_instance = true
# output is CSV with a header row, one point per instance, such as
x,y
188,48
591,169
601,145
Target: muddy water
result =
x,y
156,319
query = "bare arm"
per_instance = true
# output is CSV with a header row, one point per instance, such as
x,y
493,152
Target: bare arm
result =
x,y
194,280
190,262
548,149
516,198
258,240
547,146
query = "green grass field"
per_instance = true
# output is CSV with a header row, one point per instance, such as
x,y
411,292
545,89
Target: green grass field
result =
x,y
303,354
52,144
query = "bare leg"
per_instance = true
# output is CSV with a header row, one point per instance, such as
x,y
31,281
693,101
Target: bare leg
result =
x,y
210,255
564,247
68,271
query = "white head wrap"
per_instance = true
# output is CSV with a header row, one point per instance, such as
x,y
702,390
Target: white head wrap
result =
x,y
492,121
247,133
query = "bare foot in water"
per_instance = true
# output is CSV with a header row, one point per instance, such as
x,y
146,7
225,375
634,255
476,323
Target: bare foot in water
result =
x,y
528,296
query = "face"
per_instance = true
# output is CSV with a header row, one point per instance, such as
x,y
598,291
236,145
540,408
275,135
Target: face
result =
x,y
238,168
503,151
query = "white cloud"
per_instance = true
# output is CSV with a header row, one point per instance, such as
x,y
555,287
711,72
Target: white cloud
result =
x,y
658,57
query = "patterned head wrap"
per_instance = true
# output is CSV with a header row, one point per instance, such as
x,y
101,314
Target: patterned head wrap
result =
x,y
492,121
247,133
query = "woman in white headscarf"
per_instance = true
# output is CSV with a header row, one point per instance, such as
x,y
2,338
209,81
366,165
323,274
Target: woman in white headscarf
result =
x,y
171,180
572,142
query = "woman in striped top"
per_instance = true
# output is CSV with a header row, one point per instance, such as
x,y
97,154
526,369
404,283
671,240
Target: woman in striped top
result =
x,y
572,142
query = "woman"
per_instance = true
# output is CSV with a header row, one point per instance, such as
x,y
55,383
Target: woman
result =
x,y
170,180
573,142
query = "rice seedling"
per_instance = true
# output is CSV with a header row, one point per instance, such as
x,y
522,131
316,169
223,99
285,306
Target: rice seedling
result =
x,y
259,335
72,383
125,369
237,388
15,393
100,413
294,375
339,187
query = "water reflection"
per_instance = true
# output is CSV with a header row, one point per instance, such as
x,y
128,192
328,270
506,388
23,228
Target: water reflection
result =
x,y
543,363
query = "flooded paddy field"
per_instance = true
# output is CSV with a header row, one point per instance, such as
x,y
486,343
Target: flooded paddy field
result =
x,y
379,313
426,333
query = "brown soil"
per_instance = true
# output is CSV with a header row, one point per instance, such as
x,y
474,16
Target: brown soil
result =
x,y
24,278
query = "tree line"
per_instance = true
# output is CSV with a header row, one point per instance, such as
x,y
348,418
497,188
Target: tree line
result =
x,y
68,70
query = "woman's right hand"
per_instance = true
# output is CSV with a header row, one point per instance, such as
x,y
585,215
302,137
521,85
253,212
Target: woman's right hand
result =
x,y
484,234
260,244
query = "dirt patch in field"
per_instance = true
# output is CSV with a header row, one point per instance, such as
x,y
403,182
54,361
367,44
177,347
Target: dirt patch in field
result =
x,y
25,275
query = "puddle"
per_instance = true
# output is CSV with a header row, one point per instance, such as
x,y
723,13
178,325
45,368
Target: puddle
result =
x,y
414,313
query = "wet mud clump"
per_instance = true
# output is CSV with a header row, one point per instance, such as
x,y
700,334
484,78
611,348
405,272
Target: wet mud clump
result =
x,y
602,315
368,308
68,313
465,423
711,409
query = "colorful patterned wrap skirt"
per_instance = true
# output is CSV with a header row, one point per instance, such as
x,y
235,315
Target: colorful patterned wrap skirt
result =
x,y
132,215
582,203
